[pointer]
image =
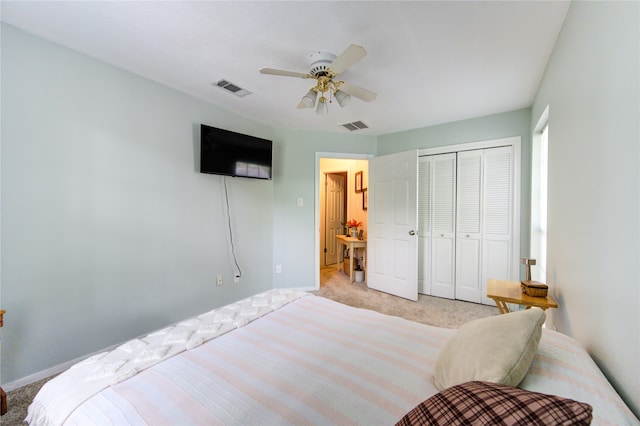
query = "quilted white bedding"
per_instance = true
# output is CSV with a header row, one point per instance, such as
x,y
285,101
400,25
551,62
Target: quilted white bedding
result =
x,y
312,361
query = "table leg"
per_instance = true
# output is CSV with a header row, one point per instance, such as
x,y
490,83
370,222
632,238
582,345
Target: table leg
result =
x,y
3,402
502,306
351,254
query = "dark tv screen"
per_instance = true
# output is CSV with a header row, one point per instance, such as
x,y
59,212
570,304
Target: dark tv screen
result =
x,y
223,152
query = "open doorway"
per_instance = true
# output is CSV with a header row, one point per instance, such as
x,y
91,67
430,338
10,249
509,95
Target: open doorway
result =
x,y
341,183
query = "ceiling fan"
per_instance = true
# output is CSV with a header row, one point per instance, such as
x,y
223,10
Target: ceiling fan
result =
x,y
324,67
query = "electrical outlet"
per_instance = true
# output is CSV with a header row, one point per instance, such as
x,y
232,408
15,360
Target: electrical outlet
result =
x,y
236,278
219,280
278,269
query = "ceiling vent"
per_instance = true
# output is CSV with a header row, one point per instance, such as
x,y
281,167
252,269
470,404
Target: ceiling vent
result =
x,y
232,88
356,125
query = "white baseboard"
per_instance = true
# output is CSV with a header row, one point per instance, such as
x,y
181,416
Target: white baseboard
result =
x,y
306,288
8,387
32,378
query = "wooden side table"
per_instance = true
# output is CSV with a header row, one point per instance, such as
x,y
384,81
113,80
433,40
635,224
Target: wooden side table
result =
x,y
352,243
3,396
503,292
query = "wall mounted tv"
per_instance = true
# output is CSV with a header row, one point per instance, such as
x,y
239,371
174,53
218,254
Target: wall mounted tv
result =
x,y
223,152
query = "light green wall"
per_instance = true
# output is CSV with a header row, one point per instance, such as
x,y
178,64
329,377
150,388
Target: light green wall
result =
x,y
294,233
592,86
108,230
514,123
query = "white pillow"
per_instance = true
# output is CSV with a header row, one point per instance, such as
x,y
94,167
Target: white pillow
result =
x,y
497,349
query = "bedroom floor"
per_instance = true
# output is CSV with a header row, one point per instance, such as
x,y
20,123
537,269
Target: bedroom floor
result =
x,y
427,310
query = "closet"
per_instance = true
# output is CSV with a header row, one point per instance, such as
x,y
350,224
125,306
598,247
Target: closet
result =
x,y
465,211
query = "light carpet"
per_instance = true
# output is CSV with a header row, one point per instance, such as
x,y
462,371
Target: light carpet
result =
x,y
429,310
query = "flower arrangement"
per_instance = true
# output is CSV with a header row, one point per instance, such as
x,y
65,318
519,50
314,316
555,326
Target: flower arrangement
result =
x,y
353,223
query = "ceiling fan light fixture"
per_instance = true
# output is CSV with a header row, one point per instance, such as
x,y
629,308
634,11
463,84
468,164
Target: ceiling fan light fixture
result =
x,y
322,108
343,98
309,100
324,67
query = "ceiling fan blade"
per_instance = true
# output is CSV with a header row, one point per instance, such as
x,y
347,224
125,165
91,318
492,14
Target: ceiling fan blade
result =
x,y
358,92
272,71
350,56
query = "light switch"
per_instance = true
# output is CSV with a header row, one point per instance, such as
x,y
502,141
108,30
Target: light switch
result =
x,y
300,202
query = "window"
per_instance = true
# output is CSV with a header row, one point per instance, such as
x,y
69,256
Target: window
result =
x,y
539,168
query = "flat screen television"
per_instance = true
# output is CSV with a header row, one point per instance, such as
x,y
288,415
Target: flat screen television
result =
x,y
223,152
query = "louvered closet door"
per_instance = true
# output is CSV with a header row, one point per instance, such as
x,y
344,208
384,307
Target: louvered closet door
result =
x,y
443,212
424,224
466,222
468,226
497,213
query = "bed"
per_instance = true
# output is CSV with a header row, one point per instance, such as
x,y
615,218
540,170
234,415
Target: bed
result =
x,y
289,357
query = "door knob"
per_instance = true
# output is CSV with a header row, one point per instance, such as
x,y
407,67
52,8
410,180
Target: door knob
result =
x,y
412,232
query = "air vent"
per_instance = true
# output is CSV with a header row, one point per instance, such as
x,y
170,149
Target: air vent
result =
x,y
232,88
356,125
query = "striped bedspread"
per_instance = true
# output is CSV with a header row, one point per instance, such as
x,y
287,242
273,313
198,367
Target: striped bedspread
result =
x,y
315,361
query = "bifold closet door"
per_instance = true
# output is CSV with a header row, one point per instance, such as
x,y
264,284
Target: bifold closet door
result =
x,y
465,211
425,165
483,227
443,214
468,226
497,214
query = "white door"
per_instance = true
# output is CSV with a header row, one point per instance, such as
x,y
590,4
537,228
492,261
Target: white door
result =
x,y
334,215
392,239
468,220
468,226
497,214
425,165
443,201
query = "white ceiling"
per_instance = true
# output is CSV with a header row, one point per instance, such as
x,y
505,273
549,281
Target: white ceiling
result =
x,y
429,62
